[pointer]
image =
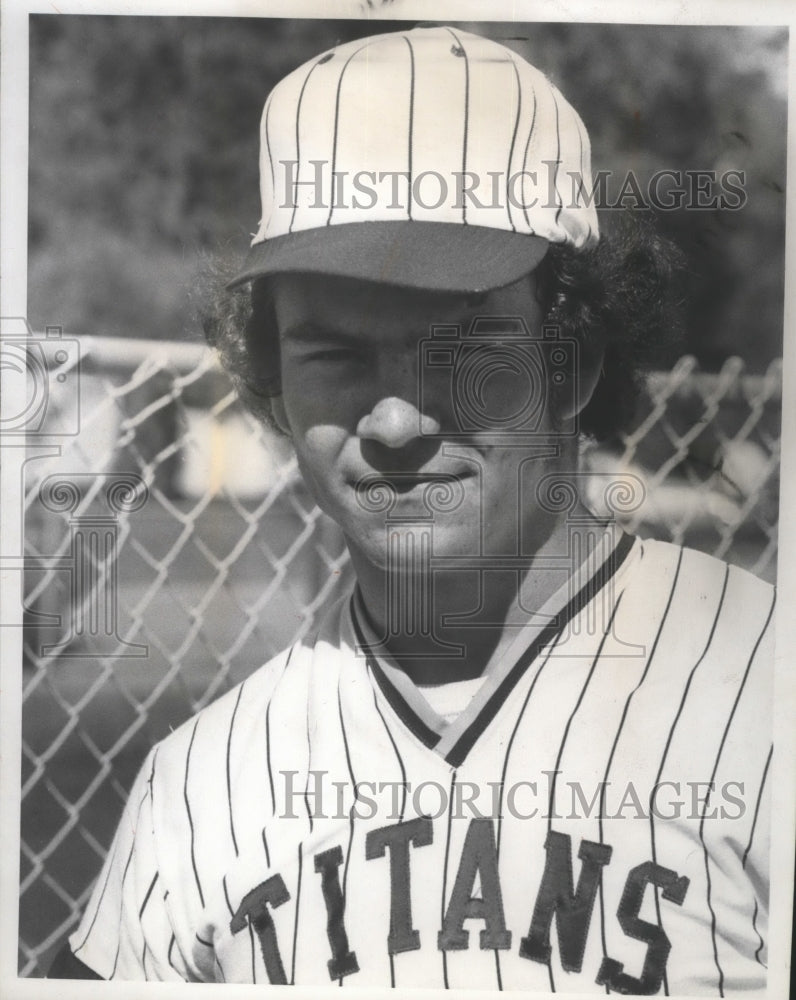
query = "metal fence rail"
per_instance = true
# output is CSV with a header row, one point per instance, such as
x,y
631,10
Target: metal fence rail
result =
x,y
171,548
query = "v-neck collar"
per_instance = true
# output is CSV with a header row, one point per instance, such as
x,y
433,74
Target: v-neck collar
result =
x,y
453,740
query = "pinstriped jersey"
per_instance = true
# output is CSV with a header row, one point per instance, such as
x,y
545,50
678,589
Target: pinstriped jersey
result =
x,y
595,820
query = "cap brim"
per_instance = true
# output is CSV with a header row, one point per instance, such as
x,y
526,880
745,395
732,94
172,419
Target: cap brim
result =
x,y
435,256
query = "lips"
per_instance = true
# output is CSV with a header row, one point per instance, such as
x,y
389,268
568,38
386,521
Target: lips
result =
x,y
405,481
426,491
410,481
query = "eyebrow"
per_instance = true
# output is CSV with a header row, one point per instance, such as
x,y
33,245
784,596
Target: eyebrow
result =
x,y
308,331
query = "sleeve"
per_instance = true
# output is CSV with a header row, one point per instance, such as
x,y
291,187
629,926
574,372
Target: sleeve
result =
x,y
738,839
756,863
125,933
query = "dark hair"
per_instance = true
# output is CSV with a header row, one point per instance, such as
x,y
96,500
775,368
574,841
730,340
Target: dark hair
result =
x,y
622,297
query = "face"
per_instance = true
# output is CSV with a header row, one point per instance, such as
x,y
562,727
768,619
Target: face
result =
x,y
367,396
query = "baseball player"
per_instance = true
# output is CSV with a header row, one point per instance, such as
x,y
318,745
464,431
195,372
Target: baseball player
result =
x,y
527,751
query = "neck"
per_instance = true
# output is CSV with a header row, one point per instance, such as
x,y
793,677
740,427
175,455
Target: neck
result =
x,y
448,624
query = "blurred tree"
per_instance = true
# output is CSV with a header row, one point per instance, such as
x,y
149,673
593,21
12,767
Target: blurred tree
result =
x,y
143,152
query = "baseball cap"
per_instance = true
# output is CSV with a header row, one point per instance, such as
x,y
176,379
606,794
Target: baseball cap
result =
x,y
431,158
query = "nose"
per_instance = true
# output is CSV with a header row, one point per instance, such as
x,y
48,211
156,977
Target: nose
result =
x,y
395,422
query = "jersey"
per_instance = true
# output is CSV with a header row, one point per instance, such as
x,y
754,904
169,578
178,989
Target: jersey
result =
x,y
596,818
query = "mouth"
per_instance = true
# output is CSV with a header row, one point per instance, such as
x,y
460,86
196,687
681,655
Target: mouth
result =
x,y
378,491
404,481
409,482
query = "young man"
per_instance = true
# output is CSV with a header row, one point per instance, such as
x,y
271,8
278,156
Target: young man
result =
x,y
528,751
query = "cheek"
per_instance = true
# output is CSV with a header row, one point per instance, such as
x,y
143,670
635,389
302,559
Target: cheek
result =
x,y
318,449
318,453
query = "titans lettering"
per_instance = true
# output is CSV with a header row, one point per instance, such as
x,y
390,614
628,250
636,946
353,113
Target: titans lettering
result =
x,y
558,897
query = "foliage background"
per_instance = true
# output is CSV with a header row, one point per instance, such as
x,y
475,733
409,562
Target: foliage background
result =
x,y
143,153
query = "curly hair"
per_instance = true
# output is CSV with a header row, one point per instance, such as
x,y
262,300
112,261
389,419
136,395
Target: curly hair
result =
x,y
622,297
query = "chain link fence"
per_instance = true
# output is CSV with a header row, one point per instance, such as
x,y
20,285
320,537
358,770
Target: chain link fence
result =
x,y
171,548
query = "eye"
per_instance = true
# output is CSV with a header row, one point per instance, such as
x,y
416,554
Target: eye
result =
x,y
333,355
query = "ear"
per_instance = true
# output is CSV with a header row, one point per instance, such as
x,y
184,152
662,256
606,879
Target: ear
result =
x,y
585,381
279,414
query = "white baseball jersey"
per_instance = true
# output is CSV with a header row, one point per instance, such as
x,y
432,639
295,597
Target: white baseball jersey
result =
x,y
595,819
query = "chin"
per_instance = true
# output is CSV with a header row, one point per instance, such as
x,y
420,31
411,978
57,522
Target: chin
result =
x,y
409,546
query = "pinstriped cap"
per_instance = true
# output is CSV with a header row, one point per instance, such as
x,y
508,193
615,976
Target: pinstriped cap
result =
x,y
430,158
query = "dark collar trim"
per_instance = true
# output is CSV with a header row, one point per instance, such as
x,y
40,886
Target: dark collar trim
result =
x,y
427,736
458,752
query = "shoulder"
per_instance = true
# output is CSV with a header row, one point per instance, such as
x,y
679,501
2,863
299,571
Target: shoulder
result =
x,y
699,614
692,607
703,632
205,731
682,569
239,717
